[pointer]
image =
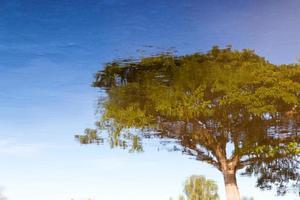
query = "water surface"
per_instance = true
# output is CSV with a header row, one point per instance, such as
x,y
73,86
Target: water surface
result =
x,y
49,53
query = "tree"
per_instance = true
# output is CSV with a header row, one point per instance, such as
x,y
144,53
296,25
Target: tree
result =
x,y
199,188
208,102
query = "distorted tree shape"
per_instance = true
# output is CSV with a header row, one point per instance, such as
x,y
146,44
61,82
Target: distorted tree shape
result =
x,y
199,188
208,102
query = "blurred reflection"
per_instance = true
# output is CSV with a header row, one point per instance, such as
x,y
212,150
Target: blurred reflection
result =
x,y
2,196
199,188
231,109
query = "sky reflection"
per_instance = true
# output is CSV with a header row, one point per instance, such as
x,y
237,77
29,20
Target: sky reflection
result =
x,y
49,52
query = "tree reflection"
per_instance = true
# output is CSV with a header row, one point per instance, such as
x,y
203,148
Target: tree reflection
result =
x,y
231,109
199,188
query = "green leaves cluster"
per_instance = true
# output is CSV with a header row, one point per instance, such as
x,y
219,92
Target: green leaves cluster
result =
x,y
220,82
199,188
206,101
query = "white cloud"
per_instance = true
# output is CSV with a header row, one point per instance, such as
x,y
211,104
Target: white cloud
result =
x,y
2,196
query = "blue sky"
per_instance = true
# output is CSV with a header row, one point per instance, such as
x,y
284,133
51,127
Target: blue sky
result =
x,y
49,51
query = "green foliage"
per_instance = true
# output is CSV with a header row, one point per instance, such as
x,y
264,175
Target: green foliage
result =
x,y
206,101
199,188
90,136
198,85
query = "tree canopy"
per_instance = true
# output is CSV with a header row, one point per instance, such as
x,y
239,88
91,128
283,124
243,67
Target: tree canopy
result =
x,y
207,102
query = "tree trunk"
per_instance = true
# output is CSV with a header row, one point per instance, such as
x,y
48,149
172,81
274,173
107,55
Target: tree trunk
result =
x,y
232,191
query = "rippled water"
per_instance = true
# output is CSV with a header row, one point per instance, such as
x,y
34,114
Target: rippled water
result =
x,y
50,51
